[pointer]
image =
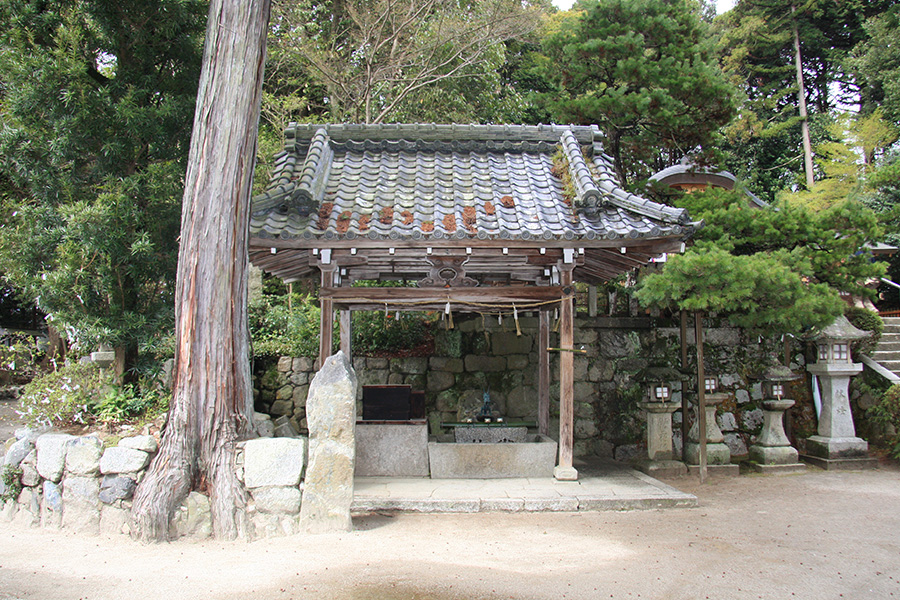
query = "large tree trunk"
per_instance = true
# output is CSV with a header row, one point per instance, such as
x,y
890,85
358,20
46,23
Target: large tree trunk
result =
x,y
212,405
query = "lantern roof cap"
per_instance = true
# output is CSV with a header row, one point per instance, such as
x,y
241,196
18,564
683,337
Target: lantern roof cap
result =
x,y
778,373
840,329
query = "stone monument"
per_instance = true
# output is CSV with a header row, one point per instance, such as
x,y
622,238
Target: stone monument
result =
x,y
836,445
331,414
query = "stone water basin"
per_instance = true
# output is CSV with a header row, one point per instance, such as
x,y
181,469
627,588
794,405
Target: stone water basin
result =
x,y
534,457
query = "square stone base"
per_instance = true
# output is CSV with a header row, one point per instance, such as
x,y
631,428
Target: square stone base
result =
x,y
834,448
774,455
534,458
841,464
728,470
661,468
716,454
785,469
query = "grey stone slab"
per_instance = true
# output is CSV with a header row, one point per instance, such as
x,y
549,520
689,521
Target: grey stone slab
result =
x,y
18,451
391,450
277,500
485,461
273,461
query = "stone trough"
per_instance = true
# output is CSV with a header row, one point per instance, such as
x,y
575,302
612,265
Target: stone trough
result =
x,y
534,457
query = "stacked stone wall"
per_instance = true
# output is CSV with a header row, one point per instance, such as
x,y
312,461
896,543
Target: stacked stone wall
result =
x,y
484,354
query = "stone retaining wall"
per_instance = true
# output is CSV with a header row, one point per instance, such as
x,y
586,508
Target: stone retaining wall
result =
x,y
483,354
82,485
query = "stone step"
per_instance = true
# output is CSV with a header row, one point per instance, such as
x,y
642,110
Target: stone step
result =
x,y
891,320
888,346
891,328
883,356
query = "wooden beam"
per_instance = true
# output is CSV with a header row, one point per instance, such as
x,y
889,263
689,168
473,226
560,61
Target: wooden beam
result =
x,y
544,373
564,470
469,298
685,384
326,319
346,333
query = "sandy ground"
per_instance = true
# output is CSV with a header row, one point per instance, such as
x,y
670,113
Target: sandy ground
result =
x,y
820,535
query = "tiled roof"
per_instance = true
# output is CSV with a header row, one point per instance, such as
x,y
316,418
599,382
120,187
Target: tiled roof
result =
x,y
374,182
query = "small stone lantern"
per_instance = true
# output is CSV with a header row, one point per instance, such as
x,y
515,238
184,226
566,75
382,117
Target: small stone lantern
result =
x,y
104,357
658,382
836,439
772,450
717,453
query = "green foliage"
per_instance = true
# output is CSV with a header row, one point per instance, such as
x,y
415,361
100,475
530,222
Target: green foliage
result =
x,y
776,270
887,413
867,320
375,332
97,106
11,477
80,394
20,356
282,328
123,404
63,398
876,62
645,72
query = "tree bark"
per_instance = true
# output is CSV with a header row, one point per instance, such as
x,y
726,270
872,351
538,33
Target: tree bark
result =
x,y
801,102
212,405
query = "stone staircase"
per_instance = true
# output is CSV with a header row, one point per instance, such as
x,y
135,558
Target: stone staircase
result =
x,y
887,352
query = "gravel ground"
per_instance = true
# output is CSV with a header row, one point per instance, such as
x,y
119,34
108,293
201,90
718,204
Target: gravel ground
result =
x,y
819,535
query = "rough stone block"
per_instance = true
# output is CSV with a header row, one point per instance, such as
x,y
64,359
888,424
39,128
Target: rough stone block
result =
x,y
273,525
442,363
507,342
485,364
83,456
299,378
116,487
302,365
51,455
378,364
736,444
438,381
285,363
273,461
282,407
741,396
617,344
752,419
51,506
285,392
115,520
727,422
277,500
489,461
298,398
415,365
145,443
517,362
123,460
18,451
81,505
30,475
193,517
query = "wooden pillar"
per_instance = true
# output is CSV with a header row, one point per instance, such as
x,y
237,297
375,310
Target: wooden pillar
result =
x,y
346,333
685,387
701,393
544,373
326,317
592,301
565,471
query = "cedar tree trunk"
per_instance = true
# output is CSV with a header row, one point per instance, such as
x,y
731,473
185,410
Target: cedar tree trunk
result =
x,y
212,405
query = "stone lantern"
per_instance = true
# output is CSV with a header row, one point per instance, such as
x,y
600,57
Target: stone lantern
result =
x,y
658,382
836,442
104,357
772,450
718,455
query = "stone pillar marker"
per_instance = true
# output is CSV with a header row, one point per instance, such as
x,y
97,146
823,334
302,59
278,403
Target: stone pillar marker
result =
x,y
772,452
331,415
836,445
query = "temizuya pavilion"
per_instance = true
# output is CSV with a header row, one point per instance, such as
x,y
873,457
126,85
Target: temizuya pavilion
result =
x,y
483,217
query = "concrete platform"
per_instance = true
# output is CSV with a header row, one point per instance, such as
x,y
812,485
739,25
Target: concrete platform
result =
x,y
600,486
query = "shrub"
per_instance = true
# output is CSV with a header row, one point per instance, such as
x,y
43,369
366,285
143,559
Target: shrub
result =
x,y
379,332
280,329
867,320
11,478
64,397
887,414
20,356
122,404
